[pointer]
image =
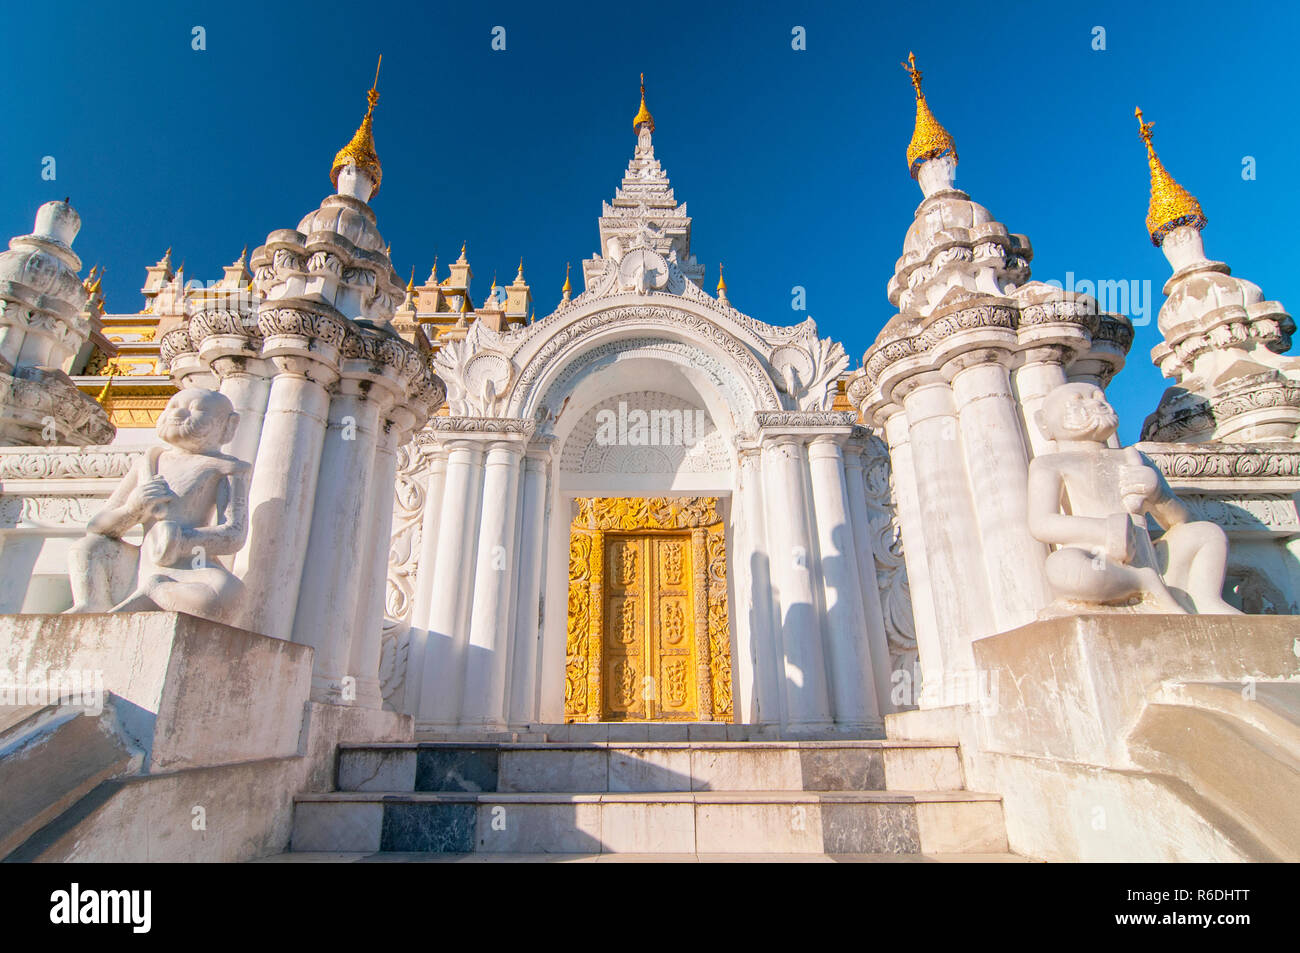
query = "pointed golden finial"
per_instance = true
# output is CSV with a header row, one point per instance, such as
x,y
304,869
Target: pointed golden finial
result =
x,y
568,287
242,260
519,277
643,114
109,371
464,304
361,150
1171,206
462,250
433,273
929,139
722,283
410,284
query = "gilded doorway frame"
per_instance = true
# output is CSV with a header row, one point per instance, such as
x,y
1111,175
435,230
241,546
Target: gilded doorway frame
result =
x,y
595,516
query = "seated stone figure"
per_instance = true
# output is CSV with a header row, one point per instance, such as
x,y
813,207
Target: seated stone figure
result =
x,y
1091,500
192,502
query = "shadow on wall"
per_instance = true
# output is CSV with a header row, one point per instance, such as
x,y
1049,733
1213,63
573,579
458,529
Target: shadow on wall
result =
x,y
763,604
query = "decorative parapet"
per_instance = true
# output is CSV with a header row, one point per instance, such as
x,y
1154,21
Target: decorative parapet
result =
x,y
1251,491
53,492
65,463
1276,467
1091,343
482,425
1247,514
802,420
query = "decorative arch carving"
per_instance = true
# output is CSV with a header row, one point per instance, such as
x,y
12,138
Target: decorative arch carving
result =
x,y
718,350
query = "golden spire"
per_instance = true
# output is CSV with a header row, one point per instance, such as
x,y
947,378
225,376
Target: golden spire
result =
x,y
519,278
361,150
1172,206
464,304
462,251
568,287
410,285
722,283
433,273
929,139
643,114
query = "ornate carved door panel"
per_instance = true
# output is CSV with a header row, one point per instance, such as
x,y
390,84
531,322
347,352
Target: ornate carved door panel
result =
x,y
648,634
649,650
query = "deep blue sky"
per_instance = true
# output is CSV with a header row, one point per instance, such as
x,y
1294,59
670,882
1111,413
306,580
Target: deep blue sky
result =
x,y
792,162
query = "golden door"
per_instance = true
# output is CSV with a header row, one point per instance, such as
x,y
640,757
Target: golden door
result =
x,y
648,634
649,639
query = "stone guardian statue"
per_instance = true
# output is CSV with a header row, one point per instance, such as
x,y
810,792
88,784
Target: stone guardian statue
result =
x,y
1091,501
191,501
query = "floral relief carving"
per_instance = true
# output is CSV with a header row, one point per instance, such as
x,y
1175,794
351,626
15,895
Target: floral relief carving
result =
x,y
403,563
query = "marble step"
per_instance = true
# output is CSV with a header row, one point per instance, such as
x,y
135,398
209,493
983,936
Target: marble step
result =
x,y
398,857
636,731
703,822
597,767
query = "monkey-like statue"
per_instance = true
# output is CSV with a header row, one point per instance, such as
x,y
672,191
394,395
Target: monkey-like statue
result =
x,y
191,501
1091,501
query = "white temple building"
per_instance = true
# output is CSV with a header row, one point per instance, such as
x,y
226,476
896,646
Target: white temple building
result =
x,y
648,520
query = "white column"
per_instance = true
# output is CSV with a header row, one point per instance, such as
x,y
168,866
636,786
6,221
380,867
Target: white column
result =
x,y
440,693
860,518
950,531
806,703
368,625
998,465
425,573
487,660
283,487
555,605
527,629
245,377
929,652
1042,372
848,656
248,391
758,671
327,599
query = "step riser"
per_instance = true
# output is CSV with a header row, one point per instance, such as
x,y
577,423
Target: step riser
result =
x,y
648,769
811,827
654,732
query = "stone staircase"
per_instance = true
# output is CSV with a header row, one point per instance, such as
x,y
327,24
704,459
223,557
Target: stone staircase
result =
x,y
588,795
